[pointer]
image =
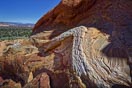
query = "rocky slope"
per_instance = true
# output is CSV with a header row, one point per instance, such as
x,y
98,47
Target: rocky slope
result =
x,y
63,54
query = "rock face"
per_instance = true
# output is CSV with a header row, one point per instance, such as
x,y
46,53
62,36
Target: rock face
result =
x,y
91,59
108,16
78,44
97,54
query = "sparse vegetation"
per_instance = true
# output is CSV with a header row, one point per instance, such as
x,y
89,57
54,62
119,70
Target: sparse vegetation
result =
x,y
11,33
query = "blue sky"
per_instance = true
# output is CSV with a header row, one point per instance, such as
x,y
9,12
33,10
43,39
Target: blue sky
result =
x,y
25,11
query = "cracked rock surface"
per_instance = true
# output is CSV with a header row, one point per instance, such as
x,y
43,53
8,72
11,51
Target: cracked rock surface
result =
x,y
91,58
78,44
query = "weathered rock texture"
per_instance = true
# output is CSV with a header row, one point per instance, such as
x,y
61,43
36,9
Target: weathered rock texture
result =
x,y
92,60
40,81
97,55
22,65
106,15
78,44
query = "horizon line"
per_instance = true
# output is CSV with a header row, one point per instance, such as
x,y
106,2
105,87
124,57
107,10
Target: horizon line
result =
x,y
19,22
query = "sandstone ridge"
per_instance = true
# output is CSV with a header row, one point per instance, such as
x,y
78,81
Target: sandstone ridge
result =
x,y
78,44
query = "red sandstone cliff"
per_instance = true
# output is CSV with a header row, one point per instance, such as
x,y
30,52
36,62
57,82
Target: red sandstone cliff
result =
x,y
78,44
106,15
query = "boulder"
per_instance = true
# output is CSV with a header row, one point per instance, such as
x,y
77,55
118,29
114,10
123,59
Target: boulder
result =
x,y
40,81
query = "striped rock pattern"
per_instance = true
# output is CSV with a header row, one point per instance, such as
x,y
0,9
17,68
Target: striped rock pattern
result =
x,y
91,57
97,55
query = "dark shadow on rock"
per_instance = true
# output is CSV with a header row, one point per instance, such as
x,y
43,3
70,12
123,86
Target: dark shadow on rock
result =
x,y
120,86
57,80
115,51
13,77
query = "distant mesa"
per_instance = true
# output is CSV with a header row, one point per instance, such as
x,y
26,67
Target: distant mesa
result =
x,y
16,24
4,25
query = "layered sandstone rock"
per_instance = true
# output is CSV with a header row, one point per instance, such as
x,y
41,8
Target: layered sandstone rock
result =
x,y
97,55
107,16
92,60
63,54
22,65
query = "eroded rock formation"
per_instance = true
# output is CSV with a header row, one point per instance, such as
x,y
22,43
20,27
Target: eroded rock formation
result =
x,y
107,16
103,57
91,58
78,44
